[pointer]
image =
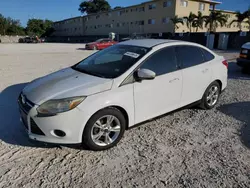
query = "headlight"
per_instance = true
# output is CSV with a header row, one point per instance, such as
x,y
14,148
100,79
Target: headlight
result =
x,y
56,106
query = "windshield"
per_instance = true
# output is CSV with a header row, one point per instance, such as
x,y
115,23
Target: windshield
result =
x,y
111,62
100,40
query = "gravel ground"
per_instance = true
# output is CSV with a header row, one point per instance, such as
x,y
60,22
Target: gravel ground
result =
x,y
187,148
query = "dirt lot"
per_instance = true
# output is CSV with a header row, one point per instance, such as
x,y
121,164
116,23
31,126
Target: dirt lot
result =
x,y
188,148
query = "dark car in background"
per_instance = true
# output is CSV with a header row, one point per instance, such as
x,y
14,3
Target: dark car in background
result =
x,y
244,59
100,44
29,40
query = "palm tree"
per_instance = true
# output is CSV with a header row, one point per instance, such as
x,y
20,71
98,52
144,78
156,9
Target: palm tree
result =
x,y
247,15
239,19
215,19
176,20
199,21
189,21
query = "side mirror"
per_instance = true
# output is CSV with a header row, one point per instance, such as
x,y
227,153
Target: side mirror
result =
x,y
145,74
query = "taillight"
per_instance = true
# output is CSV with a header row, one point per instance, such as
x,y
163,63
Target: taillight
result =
x,y
225,63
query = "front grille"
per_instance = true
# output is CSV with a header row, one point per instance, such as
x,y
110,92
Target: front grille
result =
x,y
24,119
34,128
25,104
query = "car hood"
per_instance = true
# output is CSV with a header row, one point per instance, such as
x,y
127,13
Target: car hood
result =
x,y
65,83
246,46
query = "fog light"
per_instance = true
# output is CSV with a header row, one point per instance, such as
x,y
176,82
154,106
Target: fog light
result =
x,y
59,133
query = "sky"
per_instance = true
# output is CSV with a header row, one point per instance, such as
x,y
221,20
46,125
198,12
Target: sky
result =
x,y
61,9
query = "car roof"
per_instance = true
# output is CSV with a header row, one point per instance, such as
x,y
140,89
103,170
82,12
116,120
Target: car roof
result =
x,y
148,43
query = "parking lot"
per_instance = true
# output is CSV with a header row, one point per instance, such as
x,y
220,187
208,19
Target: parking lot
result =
x,y
187,148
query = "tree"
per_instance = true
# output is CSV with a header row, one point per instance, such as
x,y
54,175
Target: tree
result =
x,y
117,7
39,27
239,19
176,20
215,19
9,26
3,25
199,21
94,6
189,21
247,15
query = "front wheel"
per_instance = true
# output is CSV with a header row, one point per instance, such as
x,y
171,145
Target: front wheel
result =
x,y
211,96
104,129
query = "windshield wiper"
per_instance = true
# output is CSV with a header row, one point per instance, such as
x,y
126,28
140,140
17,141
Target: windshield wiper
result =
x,y
87,72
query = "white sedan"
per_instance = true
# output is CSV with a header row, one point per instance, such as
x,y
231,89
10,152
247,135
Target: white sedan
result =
x,y
96,100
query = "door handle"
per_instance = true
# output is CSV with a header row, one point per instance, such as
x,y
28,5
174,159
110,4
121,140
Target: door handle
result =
x,y
175,79
205,70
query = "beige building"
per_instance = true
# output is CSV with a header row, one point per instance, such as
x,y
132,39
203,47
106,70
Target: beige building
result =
x,y
145,18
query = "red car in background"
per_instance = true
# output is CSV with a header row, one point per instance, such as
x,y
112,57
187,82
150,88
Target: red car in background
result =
x,y
100,44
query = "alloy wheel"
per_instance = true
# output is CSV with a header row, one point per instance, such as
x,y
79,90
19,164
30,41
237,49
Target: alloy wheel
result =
x,y
105,130
213,95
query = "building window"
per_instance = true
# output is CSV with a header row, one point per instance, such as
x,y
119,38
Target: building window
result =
x,y
109,25
151,21
127,10
184,3
151,6
98,16
108,14
119,24
141,9
165,20
167,3
184,20
141,22
201,6
121,12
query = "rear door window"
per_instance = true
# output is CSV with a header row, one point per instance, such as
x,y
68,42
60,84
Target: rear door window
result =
x,y
189,56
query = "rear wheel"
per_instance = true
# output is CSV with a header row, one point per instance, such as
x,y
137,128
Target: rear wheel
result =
x,y
104,129
245,70
211,96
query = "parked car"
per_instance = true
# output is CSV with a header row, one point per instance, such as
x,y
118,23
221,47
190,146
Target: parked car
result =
x,y
100,44
42,40
125,39
244,59
96,100
28,40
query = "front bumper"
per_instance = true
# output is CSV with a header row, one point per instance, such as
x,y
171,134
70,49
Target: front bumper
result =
x,y
89,47
243,62
42,128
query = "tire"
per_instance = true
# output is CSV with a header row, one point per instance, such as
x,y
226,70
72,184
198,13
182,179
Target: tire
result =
x,y
91,130
206,103
245,70
95,48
